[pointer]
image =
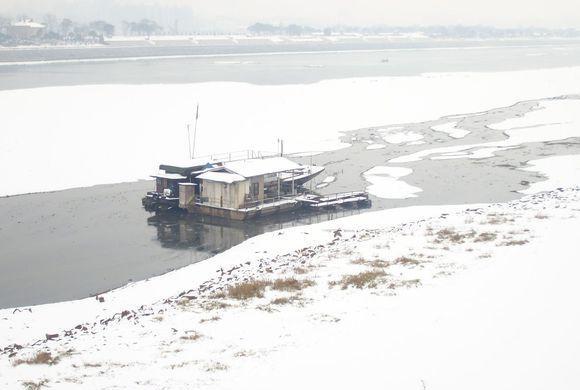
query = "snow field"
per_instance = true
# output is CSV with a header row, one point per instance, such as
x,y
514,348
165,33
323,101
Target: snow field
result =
x,y
138,126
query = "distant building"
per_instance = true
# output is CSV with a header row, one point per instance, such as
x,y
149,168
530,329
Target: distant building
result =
x,y
25,29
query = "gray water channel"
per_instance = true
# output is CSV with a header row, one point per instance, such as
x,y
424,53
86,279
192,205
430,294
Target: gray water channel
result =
x,y
445,181
75,243
299,65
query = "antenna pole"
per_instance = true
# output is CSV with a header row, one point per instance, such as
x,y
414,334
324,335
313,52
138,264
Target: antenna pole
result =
x,y
188,141
195,130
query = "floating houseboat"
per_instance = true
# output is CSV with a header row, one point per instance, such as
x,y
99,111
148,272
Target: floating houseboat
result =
x,y
238,189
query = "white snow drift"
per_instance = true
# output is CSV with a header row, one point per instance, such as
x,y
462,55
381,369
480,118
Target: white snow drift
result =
x,y
561,172
402,136
385,183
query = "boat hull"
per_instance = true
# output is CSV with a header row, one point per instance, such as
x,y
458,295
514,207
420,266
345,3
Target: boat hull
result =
x,y
154,202
242,214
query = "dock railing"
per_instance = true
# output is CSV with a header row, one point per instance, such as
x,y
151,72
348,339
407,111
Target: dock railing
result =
x,y
238,155
342,195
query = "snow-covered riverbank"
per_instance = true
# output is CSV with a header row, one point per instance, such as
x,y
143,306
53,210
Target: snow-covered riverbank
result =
x,y
478,296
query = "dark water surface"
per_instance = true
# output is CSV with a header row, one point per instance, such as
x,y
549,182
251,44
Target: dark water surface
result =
x,y
75,243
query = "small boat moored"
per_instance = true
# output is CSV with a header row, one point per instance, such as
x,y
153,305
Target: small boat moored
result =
x,y
239,189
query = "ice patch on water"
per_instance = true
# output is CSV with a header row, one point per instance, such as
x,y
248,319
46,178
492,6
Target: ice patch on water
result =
x,y
385,183
400,137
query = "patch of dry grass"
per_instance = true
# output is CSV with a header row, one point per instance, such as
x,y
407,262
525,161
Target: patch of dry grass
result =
x,y
72,380
291,284
498,219
411,283
92,365
451,235
218,295
214,304
404,283
485,237
371,263
514,242
367,279
216,366
280,301
244,353
404,260
182,364
191,335
300,270
184,302
30,385
286,300
43,357
211,319
249,289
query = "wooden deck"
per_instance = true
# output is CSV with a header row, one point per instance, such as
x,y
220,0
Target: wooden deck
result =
x,y
333,200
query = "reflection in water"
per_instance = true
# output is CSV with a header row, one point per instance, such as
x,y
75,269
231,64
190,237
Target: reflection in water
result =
x,y
205,234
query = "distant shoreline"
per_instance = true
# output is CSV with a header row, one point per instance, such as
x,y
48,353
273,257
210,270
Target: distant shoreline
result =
x,y
154,48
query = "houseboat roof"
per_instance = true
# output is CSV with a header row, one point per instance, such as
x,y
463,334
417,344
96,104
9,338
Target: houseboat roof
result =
x,y
170,176
187,167
189,163
221,177
260,166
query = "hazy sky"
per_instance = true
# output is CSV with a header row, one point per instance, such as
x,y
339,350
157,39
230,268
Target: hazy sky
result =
x,y
240,13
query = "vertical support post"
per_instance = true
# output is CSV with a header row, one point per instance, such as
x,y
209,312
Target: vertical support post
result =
x,y
278,176
311,165
195,131
188,142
